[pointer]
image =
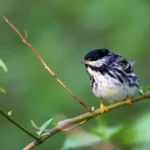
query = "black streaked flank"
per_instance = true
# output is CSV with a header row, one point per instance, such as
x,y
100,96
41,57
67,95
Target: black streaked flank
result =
x,y
120,78
122,74
133,85
130,79
92,81
111,75
134,78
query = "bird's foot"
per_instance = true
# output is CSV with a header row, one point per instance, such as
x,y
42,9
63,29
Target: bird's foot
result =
x,y
103,108
128,100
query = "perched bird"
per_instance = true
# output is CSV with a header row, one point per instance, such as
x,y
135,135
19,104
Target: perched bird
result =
x,y
111,76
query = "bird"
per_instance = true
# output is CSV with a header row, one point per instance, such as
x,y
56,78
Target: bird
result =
x,y
111,76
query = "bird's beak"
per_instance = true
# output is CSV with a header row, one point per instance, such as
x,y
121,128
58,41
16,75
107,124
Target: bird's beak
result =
x,y
83,61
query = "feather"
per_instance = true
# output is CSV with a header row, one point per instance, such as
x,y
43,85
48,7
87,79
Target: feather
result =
x,y
132,63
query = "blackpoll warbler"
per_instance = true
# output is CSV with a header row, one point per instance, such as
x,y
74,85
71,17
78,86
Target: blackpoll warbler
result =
x,y
111,76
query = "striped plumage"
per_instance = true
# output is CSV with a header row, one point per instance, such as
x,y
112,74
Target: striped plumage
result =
x,y
112,77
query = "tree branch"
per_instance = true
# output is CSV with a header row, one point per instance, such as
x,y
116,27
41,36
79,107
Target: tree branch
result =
x,y
18,125
68,123
25,41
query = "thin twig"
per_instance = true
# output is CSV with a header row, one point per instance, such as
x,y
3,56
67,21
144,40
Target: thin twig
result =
x,y
24,40
66,124
18,125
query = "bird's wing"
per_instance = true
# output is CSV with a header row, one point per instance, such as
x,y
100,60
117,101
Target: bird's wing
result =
x,y
126,66
132,63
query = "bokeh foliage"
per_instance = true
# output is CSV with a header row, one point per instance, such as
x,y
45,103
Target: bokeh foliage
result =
x,y
63,31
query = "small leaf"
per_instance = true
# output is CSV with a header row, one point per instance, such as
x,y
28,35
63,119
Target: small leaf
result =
x,y
9,113
142,90
93,108
2,90
4,67
44,126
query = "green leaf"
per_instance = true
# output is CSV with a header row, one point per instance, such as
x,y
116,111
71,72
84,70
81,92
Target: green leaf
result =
x,y
2,90
44,126
9,113
4,67
93,108
142,90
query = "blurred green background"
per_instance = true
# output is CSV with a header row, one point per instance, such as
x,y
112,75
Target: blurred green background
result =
x,y
63,31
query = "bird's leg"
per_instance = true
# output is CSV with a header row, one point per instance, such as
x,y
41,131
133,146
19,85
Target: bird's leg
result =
x,y
128,100
102,107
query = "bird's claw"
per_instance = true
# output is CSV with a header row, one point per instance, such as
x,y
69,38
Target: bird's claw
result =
x,y
103,108
128,100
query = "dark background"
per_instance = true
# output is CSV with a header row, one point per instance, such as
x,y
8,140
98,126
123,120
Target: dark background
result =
x,y
63,32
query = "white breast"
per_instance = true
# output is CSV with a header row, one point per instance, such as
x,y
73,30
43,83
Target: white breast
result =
x,y
110,88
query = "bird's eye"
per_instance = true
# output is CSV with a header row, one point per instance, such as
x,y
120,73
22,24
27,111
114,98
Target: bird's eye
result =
x,y
89,58
95,57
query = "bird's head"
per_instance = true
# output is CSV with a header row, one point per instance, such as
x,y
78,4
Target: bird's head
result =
x,y
96,57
